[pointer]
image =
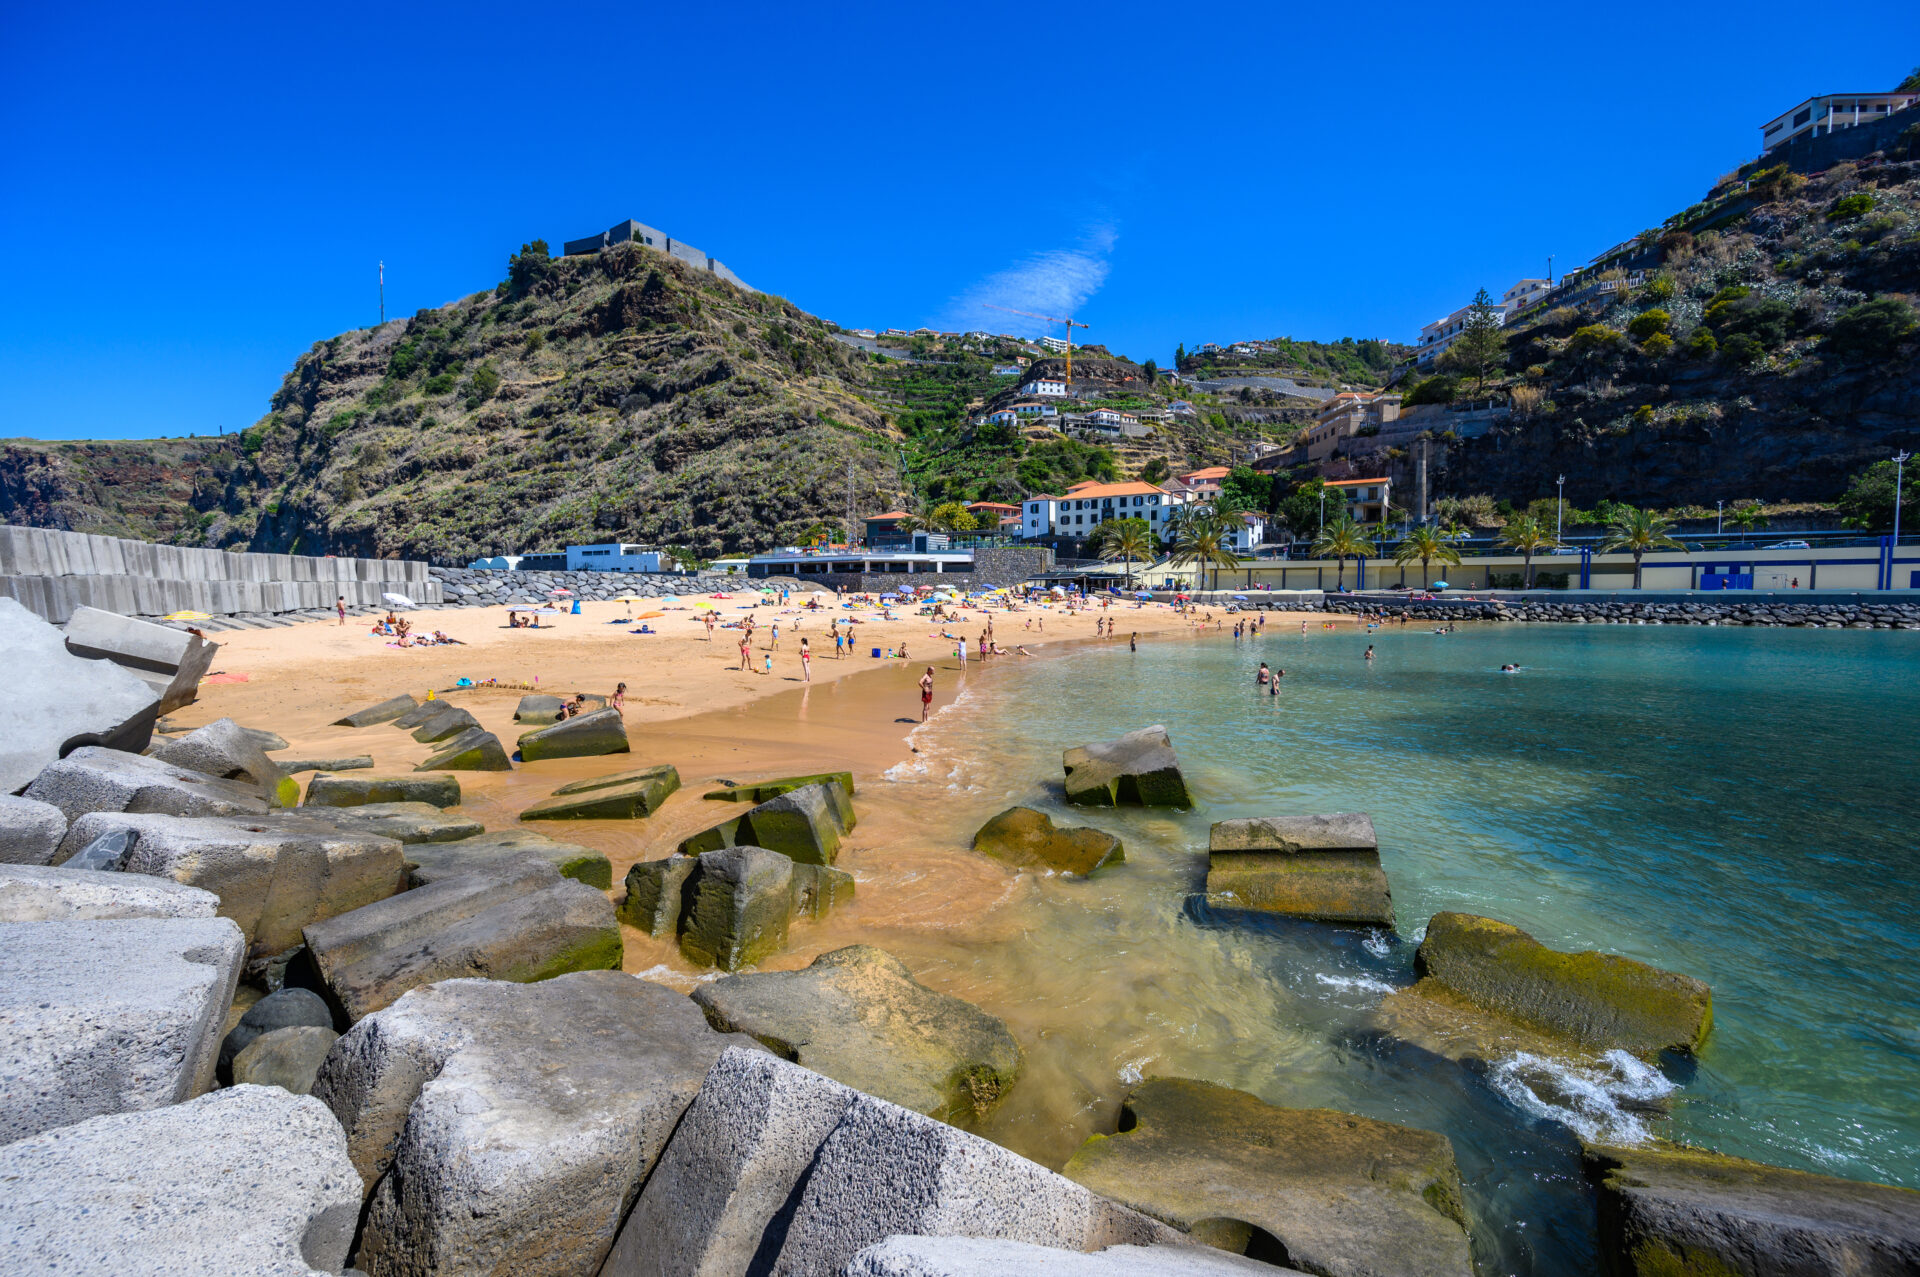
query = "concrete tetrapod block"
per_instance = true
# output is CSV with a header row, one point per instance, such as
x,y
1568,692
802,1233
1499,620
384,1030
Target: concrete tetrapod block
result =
x,y
775,1168
417,714
603,731
434,861
987,1257
442,721
1599,1000
538,710
109,1016
741,903
93,779
227,751
1023,836
1342,1196
621,796
403,822
1323,868
521,922
251,1182
289,1058
30,830
1670,1209
59,701
172,662
517,1121
385,712
473,750
1137,769
273,878
760,791
355,791
858,1015
43,893
657,894
806,824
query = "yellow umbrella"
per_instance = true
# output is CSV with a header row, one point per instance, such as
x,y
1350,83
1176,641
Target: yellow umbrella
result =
x,y
188,616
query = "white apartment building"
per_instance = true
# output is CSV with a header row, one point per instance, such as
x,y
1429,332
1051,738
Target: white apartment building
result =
x,y
1044,389
1055,344
1522,295
1087,505
1829,113
616,557
1443,332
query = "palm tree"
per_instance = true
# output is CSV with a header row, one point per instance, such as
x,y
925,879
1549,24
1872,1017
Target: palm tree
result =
x,y
1426,545
1525,534
1747,518
1204,540
1640,531
1343,539
1129,540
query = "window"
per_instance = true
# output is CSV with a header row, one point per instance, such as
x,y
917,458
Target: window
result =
x,y
1802,117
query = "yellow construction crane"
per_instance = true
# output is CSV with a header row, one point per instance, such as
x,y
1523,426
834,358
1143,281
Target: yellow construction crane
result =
x,y
1071,324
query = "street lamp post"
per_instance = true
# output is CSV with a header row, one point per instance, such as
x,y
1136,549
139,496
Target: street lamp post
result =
x,y
1323,509
1900,460
1717,512
1559,501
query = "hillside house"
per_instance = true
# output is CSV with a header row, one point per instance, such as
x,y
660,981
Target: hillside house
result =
x,y
1523,294
1004,417
1045,389
1829,113
864,332
1443,332
632,232
1057,345
1368,500
1205,483
1085,506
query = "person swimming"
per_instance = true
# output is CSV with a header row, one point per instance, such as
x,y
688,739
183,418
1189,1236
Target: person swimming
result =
x,y
1509,669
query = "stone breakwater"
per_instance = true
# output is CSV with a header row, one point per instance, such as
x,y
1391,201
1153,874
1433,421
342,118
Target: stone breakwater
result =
x,y
1832,616
489,587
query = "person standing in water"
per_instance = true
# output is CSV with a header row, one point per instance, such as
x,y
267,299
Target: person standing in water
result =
x,y
1369,653
1133,641
926,693
1260,679
1273,684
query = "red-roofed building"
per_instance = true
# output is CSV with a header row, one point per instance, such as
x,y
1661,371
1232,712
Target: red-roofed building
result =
x,y
1206,482
1367,499
1087,505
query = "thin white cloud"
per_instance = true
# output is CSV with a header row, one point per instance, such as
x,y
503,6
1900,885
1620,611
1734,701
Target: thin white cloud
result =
x,y
1057,282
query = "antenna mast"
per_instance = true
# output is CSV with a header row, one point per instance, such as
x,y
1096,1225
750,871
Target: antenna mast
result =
x,y
383,292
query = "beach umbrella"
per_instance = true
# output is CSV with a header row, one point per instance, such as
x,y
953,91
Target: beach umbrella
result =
x,y
188,616
1142,594
558,589
397,600
648,616
1240,596
1440,585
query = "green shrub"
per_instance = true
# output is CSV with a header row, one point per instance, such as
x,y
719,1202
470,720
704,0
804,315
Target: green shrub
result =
x,y
341,421
1872,329
405,358
485,381
1741,349
1765,319
1854,205
439,384
1702,344
1647,323
535,340
1643,415
1659,345
1659,289
1594,339
1433,390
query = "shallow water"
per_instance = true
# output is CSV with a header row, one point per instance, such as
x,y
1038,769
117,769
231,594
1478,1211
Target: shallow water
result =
x,y
1734,804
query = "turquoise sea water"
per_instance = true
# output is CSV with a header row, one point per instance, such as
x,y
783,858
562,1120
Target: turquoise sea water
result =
x,y
1735,804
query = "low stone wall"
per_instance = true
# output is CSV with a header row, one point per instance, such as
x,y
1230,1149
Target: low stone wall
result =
x,y
487,587
52,573
1821,615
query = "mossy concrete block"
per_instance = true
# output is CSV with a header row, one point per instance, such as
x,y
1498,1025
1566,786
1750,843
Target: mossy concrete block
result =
x,y
432,862
858,1016
403,822
248,1182
288,1058
273,875
760,791
806,823
1138,769
94,779
356,791
518,1120
227,751
740,904
1025,837
601,732
1321,868
357,762
622,796
656,894
109,1016
537,710
819,889
1669,1209
1344,1196
444,721
1600,1001
521,922
385,712
418,713
473,750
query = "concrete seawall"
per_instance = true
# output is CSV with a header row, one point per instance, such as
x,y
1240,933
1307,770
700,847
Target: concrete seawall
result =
x,y
51,573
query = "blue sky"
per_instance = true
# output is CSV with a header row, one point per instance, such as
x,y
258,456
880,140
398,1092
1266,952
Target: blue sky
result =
x,y
191,201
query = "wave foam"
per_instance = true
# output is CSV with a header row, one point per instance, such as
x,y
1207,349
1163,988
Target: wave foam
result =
x,y
1607,1104
1351,982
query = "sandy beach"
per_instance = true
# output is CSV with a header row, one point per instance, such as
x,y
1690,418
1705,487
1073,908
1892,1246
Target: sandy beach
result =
x,y
688,704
